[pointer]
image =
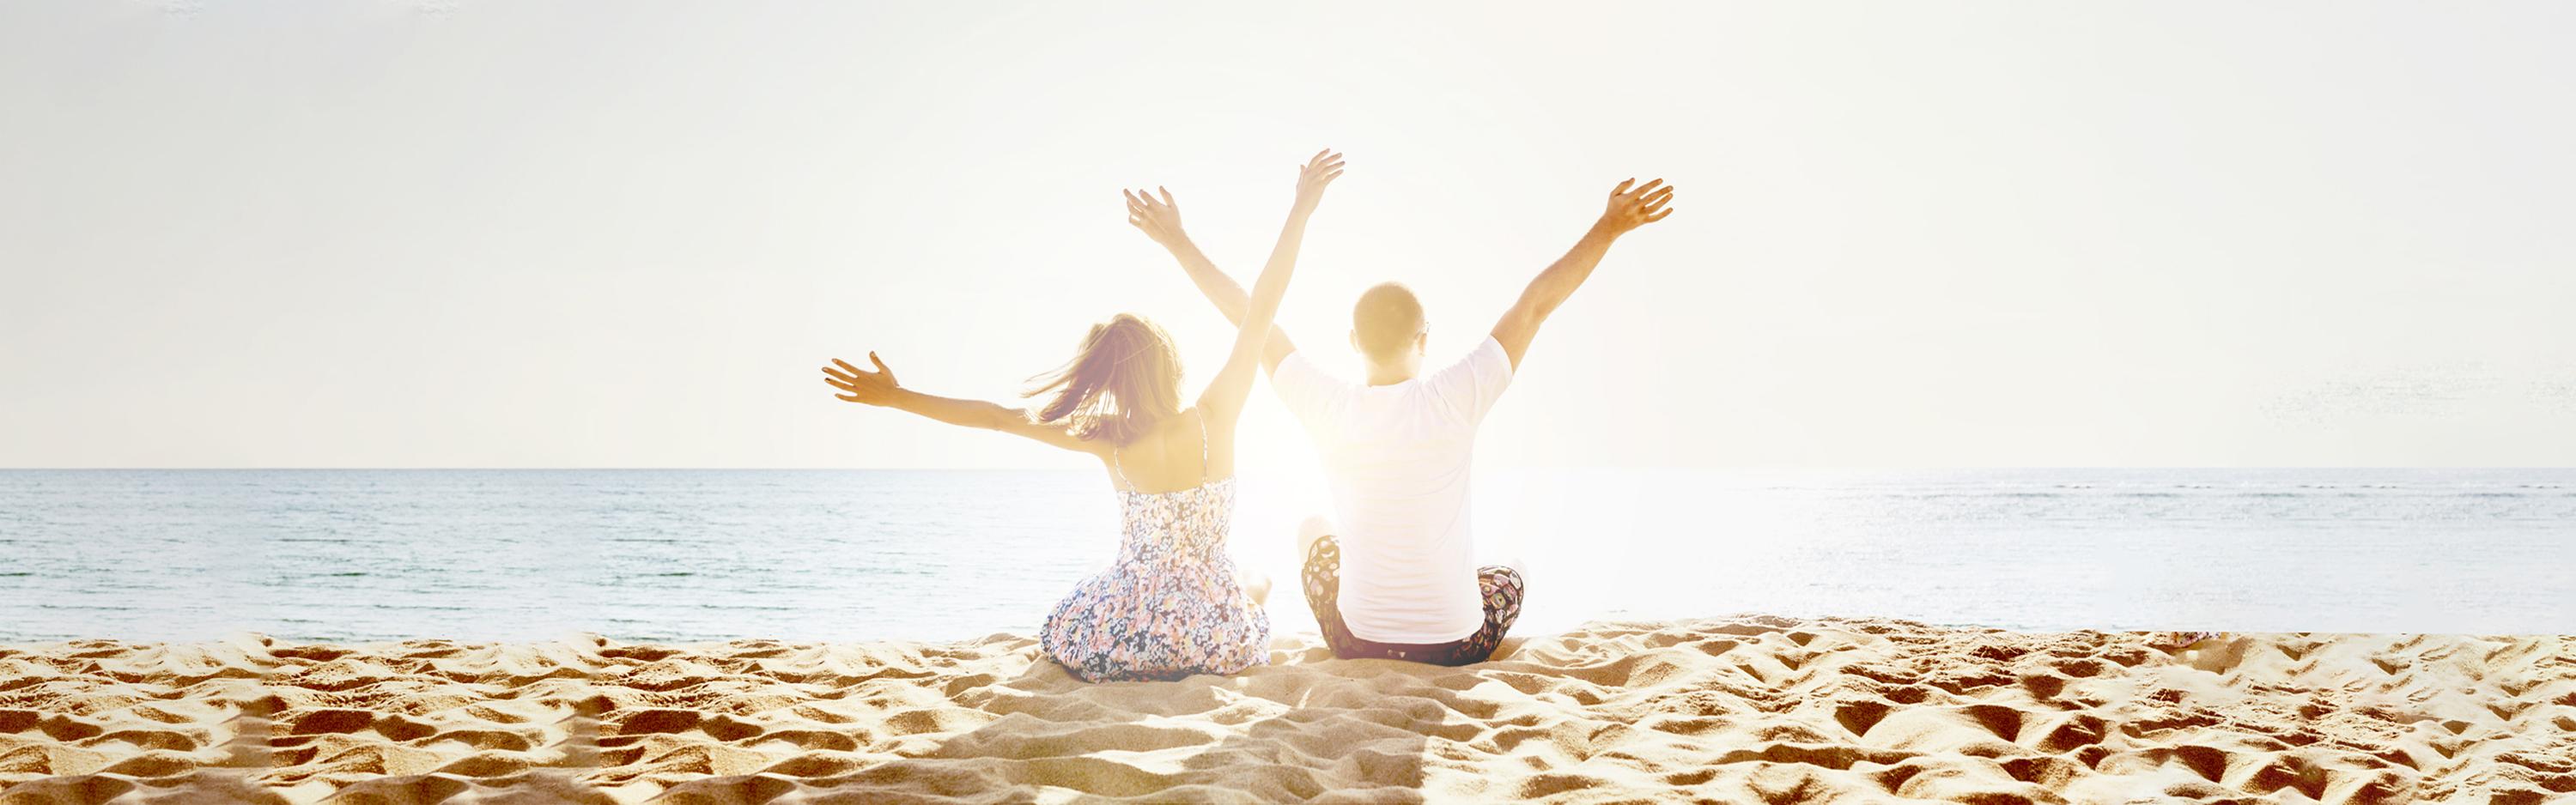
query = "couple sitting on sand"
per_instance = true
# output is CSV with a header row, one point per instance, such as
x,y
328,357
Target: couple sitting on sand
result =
x,y
1395,579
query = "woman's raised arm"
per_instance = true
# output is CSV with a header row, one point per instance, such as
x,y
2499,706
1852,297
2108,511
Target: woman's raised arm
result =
x,y
879,388
1223,401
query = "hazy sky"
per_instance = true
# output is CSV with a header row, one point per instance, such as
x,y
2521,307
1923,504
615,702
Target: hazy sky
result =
x,y
513,234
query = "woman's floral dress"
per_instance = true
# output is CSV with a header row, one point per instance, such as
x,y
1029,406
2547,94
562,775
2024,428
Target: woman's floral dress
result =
x,y
1170,607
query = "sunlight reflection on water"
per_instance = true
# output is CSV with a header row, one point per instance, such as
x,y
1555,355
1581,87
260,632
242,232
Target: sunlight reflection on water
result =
x,y
706,554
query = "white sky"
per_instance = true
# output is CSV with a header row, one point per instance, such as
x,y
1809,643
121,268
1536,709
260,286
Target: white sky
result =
x,y
507,234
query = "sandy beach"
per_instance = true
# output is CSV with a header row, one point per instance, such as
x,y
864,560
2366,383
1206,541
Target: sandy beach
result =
x,y
1750,709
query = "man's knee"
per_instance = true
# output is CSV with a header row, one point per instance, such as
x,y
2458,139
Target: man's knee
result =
x,y
1314,528
1502,589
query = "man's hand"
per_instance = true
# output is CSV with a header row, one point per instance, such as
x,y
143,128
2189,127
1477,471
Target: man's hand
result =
x,y
1160,220
863,386
1319,172
1630,209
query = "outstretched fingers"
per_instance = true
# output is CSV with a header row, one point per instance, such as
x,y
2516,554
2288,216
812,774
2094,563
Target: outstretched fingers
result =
x,y
1142,212
1318,173
1144,199
838,381
1653,209
859,385
1634,204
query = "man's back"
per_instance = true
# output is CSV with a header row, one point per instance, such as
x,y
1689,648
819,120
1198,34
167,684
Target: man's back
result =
x,y
1398,573
1398,459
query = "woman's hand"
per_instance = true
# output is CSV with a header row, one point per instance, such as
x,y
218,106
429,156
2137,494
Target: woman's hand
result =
x,y
1311,179
1160,220
863,386
1632,208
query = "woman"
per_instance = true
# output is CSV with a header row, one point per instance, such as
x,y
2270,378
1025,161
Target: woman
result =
x,y
1171,605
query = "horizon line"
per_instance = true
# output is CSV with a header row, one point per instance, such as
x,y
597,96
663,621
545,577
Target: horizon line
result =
x,y
1724,468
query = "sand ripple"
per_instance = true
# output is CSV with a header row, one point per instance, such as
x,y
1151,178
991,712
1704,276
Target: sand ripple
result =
x,y
1737,710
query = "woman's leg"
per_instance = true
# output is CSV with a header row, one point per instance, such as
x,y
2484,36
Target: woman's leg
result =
x,y
1255,586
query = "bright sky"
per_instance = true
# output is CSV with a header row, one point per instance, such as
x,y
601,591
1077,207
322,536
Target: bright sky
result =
x,y
572,235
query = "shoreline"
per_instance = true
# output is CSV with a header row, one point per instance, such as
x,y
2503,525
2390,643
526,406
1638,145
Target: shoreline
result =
x,y
1749,708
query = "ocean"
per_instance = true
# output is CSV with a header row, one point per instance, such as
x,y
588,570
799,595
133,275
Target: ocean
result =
x,y
686,555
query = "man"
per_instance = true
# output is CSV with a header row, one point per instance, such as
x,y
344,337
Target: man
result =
x,y
1396,580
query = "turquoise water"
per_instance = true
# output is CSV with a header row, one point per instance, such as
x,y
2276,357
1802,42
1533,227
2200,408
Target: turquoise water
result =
x,y
709,554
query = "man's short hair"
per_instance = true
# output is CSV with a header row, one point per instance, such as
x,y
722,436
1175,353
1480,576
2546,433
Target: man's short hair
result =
x,y
1386,320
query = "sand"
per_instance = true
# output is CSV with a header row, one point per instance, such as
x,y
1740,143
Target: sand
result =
x,y
1756,709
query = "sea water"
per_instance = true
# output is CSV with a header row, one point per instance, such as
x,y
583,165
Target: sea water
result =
x,y
345,555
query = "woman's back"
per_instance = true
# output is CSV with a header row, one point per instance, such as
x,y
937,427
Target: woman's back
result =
x,y
1181,452
1171,605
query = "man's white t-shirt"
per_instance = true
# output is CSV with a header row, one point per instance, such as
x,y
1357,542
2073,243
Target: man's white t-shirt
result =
x,y
1397,458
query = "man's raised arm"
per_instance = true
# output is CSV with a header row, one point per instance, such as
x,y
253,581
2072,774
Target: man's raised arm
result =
x,y
1160,219
1629,209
